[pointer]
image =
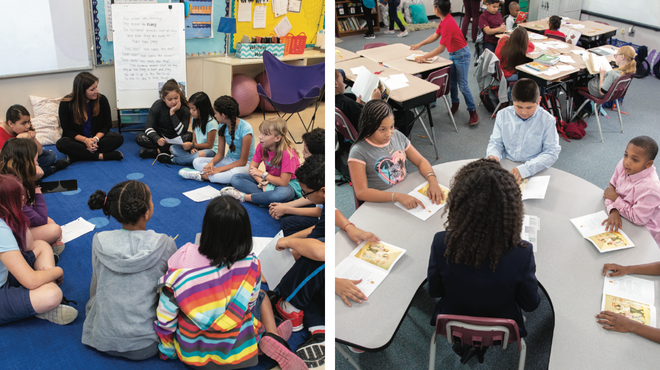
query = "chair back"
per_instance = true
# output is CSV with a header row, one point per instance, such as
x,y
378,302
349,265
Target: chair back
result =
x,y
478,331
344,126
556,37
619,88
441,78
605,23
374,45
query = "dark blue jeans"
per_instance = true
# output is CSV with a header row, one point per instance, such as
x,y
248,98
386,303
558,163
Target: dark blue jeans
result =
x,y
245,183
392,4
459,77
46,160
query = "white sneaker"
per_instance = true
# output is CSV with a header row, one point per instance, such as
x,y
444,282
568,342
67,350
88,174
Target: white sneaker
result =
x,y
60,315
389,32
232,192
190,174
402,34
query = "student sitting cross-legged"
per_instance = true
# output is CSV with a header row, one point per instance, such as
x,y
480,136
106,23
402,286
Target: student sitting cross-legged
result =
x,y
524,133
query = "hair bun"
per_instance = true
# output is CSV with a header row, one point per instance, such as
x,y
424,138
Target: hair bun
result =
x,y
97,200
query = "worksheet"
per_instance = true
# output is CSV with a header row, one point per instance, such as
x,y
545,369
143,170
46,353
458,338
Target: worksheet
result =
x,y
75,229
207,192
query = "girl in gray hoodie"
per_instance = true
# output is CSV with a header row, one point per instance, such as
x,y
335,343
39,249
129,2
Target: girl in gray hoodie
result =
x,y
126,266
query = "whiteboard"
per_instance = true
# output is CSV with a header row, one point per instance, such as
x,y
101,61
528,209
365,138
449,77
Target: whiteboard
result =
x,y
43,36
149,48
645,12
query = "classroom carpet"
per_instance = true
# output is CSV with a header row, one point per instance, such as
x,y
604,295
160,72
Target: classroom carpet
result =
x,y
33,343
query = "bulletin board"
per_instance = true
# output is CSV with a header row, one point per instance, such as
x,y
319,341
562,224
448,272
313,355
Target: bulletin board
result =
x,y
310,20
194,47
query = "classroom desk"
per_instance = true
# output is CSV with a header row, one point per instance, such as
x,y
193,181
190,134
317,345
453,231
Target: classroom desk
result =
x,y
389,52
369,64
592,31
218,72
414,68
343,54
568,266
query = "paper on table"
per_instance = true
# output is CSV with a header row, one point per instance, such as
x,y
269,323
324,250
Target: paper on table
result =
x,y
244,11
357,70
551,71
576,26
399,77
259,20
534,187
566,59
176,140
535,36
420,193
591,228
530,228
579,52
564,68
631,297
76,228
540,45
283,27
279,8
393,84
205,193
275,264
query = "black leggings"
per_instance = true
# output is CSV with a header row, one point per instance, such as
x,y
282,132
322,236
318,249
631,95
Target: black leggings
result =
x,y
143,140
77,151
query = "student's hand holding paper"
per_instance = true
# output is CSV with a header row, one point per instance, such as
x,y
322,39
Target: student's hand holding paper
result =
x,y
408,201
436,195
617,270
610,193
613,223
358,235
614,321
346,289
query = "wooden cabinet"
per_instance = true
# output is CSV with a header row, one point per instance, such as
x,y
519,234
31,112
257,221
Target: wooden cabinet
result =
x,y
349,15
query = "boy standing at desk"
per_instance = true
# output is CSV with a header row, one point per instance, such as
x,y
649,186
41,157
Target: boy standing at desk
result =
x,y
491,23
634,190
524,133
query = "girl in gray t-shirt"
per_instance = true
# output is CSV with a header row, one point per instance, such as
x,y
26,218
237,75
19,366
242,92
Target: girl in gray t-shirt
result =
x,y
625,60
377,160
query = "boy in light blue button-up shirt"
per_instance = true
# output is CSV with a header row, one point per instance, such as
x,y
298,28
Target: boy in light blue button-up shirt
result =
x,y
524,133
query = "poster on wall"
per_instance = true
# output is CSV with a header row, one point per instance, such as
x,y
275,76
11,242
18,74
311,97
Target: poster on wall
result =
x,y
199,14
108,12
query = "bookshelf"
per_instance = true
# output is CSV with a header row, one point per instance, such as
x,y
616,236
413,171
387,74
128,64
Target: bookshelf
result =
x,y
348,14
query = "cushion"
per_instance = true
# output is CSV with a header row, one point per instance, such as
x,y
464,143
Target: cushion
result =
x,y
418,14
405,7
46,119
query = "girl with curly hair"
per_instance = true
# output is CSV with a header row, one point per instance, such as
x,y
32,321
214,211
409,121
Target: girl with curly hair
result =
x,y
127,264
479,265
234,132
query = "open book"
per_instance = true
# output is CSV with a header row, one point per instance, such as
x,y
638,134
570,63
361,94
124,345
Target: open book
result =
x,y
591,229
371,262
595,62
365,83
573,36
522,17
534,187
420,193
631,297
430,60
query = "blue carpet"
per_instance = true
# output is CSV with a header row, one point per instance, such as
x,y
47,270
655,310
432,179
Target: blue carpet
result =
x,y
33,343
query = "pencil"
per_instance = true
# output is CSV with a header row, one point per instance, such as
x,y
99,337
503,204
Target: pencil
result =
x,y
152,163
177,235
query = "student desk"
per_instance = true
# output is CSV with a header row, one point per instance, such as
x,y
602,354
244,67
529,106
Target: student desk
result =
x,y
414,68
369,64
592,31
343,54
568,266
389,52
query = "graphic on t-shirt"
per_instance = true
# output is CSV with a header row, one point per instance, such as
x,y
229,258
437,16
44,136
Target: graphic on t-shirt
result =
x,y
392,169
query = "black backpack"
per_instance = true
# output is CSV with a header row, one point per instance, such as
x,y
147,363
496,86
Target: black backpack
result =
x,y
643,67
656,69
489,97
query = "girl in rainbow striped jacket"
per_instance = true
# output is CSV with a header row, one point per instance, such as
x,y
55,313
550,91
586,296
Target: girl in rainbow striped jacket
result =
x,y
212,312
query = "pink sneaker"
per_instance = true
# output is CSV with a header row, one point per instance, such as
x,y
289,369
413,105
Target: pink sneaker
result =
x,y
285,329
278,349
295,317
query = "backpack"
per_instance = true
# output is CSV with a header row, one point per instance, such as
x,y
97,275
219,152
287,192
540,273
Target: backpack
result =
x,y
653,59
643,66
489,98
571,130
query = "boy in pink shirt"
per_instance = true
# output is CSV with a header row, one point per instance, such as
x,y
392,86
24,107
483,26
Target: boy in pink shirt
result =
x,y
634,190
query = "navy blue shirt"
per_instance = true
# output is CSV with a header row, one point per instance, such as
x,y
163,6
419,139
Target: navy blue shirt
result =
x,y
318,232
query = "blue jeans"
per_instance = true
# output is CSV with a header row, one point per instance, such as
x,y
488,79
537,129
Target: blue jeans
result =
x,y
46,160
183,157
459,77
245,183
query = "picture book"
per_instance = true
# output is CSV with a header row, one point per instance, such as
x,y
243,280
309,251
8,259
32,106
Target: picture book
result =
x,y
522,17
430,60
573,36
420,193
547,59
530,228
534,187
595,62
536,66
370,262
590,228
631,297
365,83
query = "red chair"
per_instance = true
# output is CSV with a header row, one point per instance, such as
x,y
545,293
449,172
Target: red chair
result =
x,y
374,45
441,78
556,37
345,128
617,91
478,332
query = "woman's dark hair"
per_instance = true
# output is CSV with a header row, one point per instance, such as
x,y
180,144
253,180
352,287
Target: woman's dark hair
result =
x,y
443,6
229,107
78,97
485,214
17,158
373,114
515,49
226,232
172,85
554,22
126,202
202,102
11,205
15,112
315,141
312,172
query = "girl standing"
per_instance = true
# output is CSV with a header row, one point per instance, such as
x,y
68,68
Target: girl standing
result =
x,y
278,183
169,117
212,312
394,18
126,266
377,160
86,122
205,128
234,132
28,276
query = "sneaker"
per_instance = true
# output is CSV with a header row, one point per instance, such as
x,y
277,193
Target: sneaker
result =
x,y
313,351
148,153
58,248
474,118
284,329
190,174
164,158
60,315
389,32
60,164
402,34
278,349
454,108
369,36
296,318
229,191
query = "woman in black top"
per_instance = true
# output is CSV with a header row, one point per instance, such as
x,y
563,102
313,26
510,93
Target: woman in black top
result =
x,y
86,122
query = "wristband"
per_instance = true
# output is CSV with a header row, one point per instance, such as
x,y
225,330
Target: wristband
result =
x,y
264,175
347,225
392,197
429,174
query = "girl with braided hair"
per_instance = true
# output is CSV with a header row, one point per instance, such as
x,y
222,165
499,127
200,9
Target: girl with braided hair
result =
x,y
377,160
479,265
234,132
127,264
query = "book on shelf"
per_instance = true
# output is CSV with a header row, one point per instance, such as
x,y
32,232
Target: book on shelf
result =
x,y
591,228
537,66
547,59
631,297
